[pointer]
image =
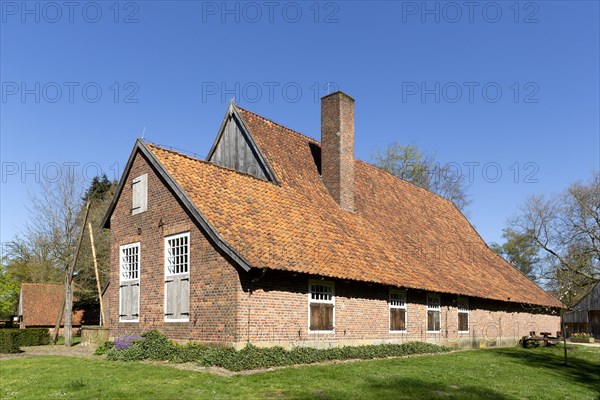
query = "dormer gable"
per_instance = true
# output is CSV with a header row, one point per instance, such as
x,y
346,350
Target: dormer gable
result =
x,y
235,148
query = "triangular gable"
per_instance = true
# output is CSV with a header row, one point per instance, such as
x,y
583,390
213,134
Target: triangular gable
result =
x,y
591,301
235,148
141,148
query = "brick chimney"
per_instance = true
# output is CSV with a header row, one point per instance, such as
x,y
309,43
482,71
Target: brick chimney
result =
x,y
337,147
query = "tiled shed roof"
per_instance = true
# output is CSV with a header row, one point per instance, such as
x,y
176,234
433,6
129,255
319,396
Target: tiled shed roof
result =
x,y
399,235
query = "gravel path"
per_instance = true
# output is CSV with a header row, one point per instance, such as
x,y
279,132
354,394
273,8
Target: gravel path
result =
x,y
50,350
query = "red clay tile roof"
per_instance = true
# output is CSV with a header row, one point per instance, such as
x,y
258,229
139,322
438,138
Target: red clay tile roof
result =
x,y
400,234
41,303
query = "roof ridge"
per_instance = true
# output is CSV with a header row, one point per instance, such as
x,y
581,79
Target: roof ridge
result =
x,y
356,159
278,124
203,161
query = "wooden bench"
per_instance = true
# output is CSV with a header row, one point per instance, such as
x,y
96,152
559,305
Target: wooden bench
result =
x,y
543,337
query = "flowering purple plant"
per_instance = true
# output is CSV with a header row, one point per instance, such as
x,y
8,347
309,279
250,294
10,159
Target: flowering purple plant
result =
x,y
126,341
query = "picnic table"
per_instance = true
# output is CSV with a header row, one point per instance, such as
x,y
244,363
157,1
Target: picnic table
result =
x,y
544,338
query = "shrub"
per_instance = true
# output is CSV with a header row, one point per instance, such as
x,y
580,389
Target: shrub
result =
x,y
126,341
252,357
155,346
33,337
530,343
12,339
103,348
8,342
151,345
580,335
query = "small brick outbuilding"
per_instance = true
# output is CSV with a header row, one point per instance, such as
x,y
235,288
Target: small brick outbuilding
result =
x,y
39,304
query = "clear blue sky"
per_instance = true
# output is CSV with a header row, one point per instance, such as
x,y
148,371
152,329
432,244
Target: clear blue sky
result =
x,y
500,86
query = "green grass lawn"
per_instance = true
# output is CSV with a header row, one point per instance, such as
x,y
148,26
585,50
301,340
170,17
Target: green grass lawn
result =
x,y
74,339
510,373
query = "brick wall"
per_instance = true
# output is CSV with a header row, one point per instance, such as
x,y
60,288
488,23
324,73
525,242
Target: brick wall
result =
x,y
213,287
275,311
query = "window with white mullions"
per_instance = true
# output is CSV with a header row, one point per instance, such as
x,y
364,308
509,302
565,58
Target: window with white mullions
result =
x,y
397,306
129,283
321,303
177,277
462,304
433,312
130,266
177,255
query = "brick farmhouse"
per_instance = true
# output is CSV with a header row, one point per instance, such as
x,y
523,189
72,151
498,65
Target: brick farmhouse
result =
x,y
278,239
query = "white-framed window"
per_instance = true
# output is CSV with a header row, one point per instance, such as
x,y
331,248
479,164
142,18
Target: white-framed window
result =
x,y
129,282
139,190
321,306
434,308
177,277
397,305
462,304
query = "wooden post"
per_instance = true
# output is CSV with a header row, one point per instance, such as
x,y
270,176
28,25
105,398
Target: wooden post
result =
x,y
58,321
97,274
68,325
562,328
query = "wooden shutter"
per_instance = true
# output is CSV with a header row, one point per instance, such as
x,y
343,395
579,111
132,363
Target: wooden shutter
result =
x,y
184,297
178,297
130,305
463,321
397,319
327,317
134,303
321,317
315,316
171,299
139,194
124,312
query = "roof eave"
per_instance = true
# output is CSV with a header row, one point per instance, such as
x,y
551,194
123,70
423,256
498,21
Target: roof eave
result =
x,y
180,194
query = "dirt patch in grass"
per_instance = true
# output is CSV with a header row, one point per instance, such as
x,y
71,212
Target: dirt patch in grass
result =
x,y
50,350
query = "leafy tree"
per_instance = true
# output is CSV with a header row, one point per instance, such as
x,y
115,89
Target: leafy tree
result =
x,y
45,250
9,293
413,165
101,188
565,228
28,260
520,250
100,194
